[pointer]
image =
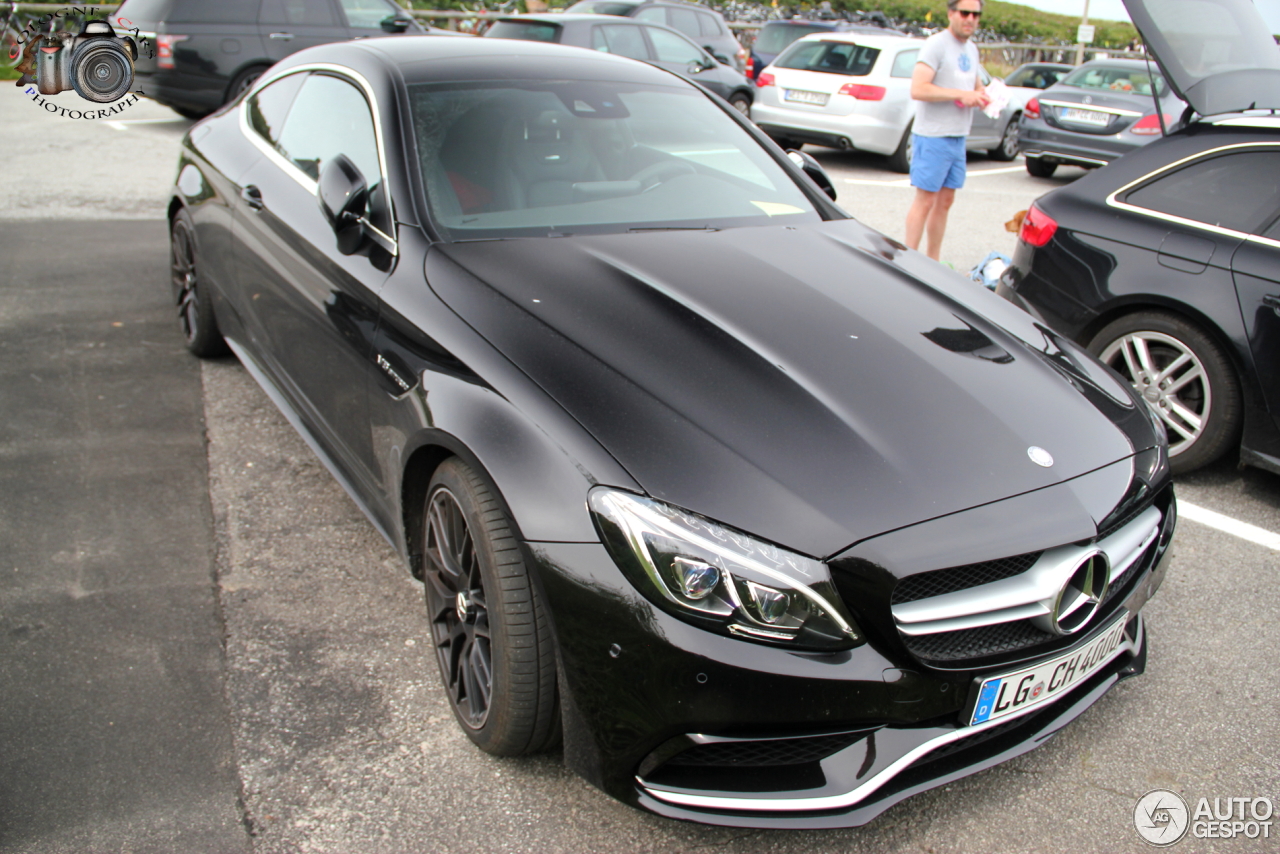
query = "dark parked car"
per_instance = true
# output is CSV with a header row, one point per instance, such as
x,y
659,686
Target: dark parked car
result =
x,y
1166,264
1093,115
777,521
652,43
207,52
705,26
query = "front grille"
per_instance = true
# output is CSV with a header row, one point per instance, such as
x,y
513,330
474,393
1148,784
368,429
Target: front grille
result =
x,y
771,752
981,642
940,581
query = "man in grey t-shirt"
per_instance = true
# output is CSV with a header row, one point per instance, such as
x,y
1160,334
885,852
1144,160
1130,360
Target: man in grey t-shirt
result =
x,y
947,87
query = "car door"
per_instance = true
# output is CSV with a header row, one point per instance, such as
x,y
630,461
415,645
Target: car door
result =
x,y
674,52
984,128
1256,268
364,17
315,309
288,26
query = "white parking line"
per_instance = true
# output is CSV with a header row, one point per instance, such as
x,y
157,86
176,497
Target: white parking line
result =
x,y
122,124
1226,524
906,182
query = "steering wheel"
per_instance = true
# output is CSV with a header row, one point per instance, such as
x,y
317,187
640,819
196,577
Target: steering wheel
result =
x,y
655,173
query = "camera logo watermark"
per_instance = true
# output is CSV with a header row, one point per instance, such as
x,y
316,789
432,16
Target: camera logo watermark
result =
x,y
97,62
1163,818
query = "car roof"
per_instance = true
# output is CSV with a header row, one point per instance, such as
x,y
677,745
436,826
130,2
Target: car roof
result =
x,y
865,39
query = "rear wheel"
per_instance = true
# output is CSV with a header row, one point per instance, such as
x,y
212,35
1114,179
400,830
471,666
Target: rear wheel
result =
x,y
1008,147
900,160
242,82
1184,376
1038,167
741,102
491,632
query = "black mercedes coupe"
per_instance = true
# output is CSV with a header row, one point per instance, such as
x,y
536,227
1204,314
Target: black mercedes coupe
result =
x,y
766,519
1166,264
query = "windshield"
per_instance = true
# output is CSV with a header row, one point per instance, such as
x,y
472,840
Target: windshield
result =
x,y
1116,79
603,7
775,37
532,158
829,56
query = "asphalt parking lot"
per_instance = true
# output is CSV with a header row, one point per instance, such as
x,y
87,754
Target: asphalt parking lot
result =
x,y
205,647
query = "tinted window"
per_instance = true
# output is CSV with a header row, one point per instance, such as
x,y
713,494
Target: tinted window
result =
x,y
621,39
775,37
367,14
530,31
710,26
533,157
904,64
269,107
300,12
671,48
685,21
1231,191
222,12
652,14
1035,78
831,57
330,117
1116,79
605,8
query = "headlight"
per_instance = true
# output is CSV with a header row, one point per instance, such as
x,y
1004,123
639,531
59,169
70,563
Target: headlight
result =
x,y
719,578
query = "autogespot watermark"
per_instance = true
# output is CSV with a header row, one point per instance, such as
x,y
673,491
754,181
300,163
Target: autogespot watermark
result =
x,y
1163,818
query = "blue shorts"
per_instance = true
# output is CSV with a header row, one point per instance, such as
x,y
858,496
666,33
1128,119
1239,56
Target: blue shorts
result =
x,y
937,162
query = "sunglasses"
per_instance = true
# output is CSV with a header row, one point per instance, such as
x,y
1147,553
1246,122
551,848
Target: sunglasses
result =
x,y
965,13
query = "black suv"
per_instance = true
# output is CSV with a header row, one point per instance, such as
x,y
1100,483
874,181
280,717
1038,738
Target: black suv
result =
x,y
207,53
705,26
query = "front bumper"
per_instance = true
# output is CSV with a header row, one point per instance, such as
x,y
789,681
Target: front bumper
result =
x,y
692,725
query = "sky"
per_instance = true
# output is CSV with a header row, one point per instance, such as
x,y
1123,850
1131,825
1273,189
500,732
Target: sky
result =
x,y
1113,10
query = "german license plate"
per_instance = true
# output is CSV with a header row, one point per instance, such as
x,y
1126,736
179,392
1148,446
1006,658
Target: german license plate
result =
x,y
1009,693
803,97
1086,117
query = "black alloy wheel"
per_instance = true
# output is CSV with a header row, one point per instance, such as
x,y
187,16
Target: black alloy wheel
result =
x,y
1184,376
195,309
491,632
242,82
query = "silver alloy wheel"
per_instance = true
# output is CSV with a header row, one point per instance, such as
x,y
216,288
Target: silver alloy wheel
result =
x,y
1170,378
1009,142
742,105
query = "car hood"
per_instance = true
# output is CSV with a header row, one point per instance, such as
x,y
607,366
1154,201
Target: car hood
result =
x,y
805,385
1217,54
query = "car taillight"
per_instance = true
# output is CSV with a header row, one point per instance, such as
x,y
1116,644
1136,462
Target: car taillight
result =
x,y
1037,227
164,49
1150,125
1032,110
863,92
764,80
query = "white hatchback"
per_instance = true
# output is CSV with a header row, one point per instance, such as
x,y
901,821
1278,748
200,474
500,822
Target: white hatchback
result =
x,y
853,91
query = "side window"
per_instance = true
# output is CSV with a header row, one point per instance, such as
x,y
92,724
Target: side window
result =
x,y
684,20
297,12
671,48
904,64
365,14
983,77
652,14
269,107
1224,191
622,39
330,117
710,26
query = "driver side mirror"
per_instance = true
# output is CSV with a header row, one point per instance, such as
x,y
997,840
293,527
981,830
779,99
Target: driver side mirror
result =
x,y
814,170
344,200
395,24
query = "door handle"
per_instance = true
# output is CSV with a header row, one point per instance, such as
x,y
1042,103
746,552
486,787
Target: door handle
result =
x,y
1273,302
281,37
252,197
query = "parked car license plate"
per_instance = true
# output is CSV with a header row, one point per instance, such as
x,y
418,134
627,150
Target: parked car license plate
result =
x,y
1088,117
1004,695
803,97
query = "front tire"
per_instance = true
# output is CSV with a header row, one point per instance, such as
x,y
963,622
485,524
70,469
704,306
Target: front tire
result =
x,y
190,293
741,102
490,628
1184,376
